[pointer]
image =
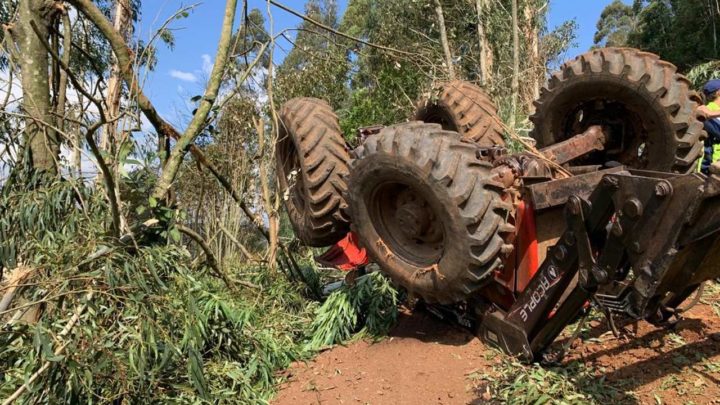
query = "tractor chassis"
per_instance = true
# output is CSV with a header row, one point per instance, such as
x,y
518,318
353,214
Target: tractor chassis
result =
x,y
630,237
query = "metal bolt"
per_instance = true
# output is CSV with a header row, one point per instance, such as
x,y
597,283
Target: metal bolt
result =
x,y
560,253
611,182
633,208
635,247
663,189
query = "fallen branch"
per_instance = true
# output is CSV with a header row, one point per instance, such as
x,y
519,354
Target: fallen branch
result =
x,y
211,260
66,330
14,281
237,243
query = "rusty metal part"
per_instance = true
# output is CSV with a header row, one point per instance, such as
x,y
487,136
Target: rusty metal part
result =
x,y
364,132
510,168
577,170
492,154
505,175
593,139
555,193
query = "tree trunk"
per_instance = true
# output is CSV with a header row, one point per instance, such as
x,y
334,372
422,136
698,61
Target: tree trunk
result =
x,y
273,224
121,24
444,40
536,67
63,79
42,141
486,61
77,146
516,62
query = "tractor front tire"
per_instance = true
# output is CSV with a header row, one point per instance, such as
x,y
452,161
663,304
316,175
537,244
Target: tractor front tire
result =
x,y
425,208
312,165
464,108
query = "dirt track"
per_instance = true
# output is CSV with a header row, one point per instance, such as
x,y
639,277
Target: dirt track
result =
x,y
426,362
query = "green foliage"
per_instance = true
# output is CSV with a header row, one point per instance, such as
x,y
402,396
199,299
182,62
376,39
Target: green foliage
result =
x,y
700,74
682,32
616,23
7,10
517,384
385,84
31,214
155,329
317,66
378,104
369,308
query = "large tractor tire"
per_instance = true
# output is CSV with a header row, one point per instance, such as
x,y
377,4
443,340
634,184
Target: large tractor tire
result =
x,y
464,108
312,165
648,107
426,210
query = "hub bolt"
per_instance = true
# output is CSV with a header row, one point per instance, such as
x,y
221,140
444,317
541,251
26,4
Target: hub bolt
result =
x,y
633,208
663,189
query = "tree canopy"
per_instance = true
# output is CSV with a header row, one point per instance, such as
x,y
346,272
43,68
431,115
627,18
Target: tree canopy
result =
x,y
682,32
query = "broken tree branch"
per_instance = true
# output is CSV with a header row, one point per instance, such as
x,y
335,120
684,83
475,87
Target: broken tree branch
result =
x,y
211,259
66,330
172,166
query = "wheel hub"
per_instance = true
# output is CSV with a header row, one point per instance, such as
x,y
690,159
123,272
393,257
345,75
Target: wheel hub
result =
x,y
407,223
414,219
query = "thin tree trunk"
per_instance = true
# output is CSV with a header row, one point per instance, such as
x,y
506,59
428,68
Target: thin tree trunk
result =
x,y
63,80
516,62
536,66
184,141
485,52
444,40
76,157
273,225
112,140
41,141
121,24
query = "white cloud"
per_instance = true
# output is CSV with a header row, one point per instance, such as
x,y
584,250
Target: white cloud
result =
x,y
184,76
207,64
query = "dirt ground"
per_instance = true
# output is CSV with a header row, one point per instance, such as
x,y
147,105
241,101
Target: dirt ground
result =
x,y
425,361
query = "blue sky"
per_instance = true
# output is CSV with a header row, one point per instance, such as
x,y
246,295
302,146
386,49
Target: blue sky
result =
x,y
181,72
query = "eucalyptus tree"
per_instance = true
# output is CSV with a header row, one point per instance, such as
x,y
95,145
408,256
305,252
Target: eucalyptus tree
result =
x,y
317,65
686,33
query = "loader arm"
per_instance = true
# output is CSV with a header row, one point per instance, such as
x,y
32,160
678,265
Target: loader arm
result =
x,y
640,243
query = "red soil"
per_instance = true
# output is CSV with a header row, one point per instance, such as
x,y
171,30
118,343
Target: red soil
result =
x,y
425,361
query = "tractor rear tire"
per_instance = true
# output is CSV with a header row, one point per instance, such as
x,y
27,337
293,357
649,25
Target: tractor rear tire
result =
x,y
629,90
464,108
312,165
425,208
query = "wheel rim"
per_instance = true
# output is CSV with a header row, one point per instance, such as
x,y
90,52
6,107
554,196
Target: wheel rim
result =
x,y
628,139
407,223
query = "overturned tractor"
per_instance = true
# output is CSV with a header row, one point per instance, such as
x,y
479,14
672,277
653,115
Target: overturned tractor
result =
x,y
608,212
